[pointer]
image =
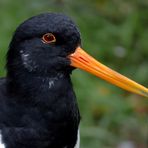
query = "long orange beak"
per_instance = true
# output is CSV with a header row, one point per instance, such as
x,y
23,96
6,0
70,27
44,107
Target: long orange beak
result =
x,y
82,60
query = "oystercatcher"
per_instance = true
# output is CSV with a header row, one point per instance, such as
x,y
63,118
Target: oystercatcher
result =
x,y
38,107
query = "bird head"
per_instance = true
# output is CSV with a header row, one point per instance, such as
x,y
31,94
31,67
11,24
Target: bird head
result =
x,y
41,44
50,43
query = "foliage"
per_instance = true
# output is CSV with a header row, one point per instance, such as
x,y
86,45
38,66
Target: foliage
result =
x,y
116,33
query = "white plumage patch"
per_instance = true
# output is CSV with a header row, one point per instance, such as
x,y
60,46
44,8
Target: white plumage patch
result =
x,y
51,83
27,61
1,143
78,140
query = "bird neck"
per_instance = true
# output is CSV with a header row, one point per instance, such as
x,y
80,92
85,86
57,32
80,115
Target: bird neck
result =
x,y
32,86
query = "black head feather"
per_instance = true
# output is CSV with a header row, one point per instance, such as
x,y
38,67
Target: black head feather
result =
x,y
28,53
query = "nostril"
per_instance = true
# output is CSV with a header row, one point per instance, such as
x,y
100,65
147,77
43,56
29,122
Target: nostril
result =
x,y
84,59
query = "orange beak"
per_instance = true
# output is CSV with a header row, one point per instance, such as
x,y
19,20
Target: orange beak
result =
x,y
80,59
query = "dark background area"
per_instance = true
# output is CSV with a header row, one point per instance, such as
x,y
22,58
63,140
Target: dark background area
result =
x,y
116,33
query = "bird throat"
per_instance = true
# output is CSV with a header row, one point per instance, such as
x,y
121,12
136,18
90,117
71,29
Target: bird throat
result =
x,y
30,86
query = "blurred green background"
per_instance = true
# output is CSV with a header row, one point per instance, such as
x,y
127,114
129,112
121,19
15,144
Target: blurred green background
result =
x,y
114,32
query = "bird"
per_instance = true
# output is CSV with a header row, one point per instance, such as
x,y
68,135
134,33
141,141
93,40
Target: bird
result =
x,y
38,106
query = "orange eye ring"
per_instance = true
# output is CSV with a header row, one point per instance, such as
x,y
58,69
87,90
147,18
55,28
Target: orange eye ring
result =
x,y
48,38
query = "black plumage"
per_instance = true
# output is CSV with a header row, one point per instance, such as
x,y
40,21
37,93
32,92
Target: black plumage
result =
x,y
38,108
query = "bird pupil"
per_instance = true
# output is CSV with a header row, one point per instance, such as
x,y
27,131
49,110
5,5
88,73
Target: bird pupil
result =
x,y
49,38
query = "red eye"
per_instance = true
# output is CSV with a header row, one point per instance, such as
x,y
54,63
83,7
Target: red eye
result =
x,y
48,38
